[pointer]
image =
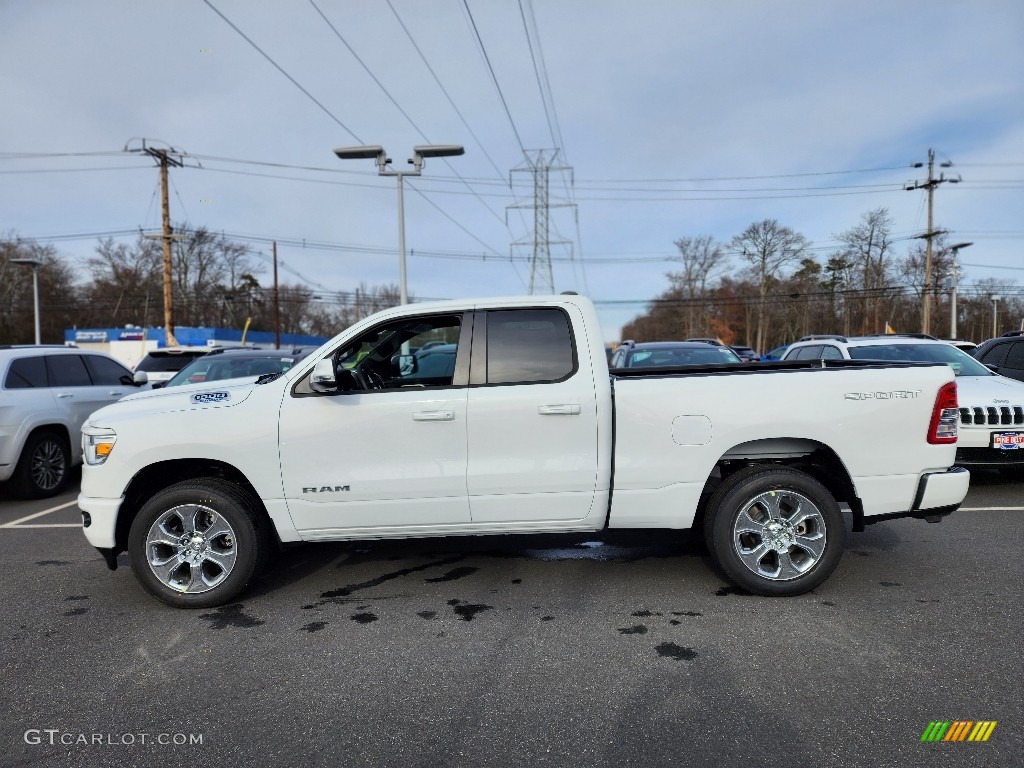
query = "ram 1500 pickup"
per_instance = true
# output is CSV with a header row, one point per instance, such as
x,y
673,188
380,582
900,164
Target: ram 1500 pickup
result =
x,y
500,416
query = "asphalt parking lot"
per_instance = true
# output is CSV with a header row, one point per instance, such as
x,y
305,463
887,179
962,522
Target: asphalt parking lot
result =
x,y
601,650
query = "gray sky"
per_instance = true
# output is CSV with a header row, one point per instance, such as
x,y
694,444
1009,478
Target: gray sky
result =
x,y
678,118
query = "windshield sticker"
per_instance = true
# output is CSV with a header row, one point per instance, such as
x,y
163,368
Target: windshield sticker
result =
x,y
206,398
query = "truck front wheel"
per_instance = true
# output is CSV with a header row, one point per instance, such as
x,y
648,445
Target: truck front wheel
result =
x,y
774,530
197,544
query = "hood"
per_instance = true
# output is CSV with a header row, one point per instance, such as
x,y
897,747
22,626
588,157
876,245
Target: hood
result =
x,y
987,391
188,397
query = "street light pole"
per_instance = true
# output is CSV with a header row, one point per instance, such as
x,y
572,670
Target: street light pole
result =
x,y
952,297
419,152
995,315
35,264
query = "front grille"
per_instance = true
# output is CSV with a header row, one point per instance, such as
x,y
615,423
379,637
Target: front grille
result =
x,y
991,416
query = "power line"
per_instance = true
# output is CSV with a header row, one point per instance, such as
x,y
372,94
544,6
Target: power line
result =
x,y
395,101
494,78
444,90
280,69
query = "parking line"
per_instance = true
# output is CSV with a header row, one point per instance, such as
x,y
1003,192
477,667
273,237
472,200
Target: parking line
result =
x,y
15,523
991,509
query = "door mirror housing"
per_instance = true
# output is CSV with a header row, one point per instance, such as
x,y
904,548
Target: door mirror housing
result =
x,y
323,378
405,365
140,378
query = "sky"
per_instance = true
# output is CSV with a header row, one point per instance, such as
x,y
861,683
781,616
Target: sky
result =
x,y
672,118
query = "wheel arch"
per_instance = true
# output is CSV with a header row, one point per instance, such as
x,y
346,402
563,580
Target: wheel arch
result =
x,y
154,478
805,454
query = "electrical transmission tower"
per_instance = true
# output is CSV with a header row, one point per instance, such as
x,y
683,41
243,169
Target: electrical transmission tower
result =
x,y
539,163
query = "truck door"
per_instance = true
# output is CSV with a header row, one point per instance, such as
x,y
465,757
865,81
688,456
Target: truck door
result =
x,y
392,455
532,415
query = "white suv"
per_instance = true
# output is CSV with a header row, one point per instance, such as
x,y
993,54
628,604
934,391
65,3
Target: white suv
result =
x,y
161,364
991,406
46,393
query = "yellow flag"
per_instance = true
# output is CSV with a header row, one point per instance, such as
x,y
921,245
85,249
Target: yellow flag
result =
x,y
888,329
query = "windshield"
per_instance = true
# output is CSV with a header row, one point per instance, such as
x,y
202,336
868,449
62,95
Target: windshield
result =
x,y
219,367
961,363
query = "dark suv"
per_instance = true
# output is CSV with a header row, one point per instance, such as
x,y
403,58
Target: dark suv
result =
x,y
1004,355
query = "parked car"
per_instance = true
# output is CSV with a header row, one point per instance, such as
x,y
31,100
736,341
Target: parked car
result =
x,y
1004,354
46,394
160,365
774,354
236,363
991,406
707,340
530,434
657,353
962,344
746,354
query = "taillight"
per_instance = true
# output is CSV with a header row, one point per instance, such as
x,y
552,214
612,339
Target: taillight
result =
x,y
945,416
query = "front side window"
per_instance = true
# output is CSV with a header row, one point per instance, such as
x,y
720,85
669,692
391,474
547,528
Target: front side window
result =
x,y
1015,356
26,373
527,346
828,352
106,372
412,352
996,355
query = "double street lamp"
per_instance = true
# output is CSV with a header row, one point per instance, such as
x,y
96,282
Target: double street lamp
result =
x,y
35,264
419,153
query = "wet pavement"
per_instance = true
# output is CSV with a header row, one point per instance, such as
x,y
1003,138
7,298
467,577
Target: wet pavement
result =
x,y
622,649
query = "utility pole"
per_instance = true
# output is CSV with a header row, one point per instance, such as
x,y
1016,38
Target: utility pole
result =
x,y
165,158
929,186
277,304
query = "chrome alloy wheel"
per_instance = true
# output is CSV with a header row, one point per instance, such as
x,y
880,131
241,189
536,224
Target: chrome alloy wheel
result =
x,y
48,465
779,535
191,549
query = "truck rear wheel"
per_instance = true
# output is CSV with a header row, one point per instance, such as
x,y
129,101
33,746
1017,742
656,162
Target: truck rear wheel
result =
x,y
197,544
774,531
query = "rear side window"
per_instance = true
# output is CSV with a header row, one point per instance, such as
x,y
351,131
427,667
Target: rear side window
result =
x,y
1015,357
106,372
996,355
26,373
529,346
813,352
67,371
831,353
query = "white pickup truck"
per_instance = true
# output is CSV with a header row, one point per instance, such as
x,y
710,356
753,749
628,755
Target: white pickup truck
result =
x,y
500,416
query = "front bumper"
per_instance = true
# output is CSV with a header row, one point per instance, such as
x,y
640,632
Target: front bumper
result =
x,y
100,524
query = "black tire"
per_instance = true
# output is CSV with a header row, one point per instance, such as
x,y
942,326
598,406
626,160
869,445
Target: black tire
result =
x,y
198,543
774,531
44,466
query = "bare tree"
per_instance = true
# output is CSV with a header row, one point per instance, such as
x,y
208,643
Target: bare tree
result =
x,y
868,246
700,257
59,304
768,247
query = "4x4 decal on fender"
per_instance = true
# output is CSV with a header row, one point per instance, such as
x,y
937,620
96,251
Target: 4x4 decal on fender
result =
x,y
206,398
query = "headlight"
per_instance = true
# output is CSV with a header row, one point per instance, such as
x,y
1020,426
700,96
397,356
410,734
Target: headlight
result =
x,y
97,445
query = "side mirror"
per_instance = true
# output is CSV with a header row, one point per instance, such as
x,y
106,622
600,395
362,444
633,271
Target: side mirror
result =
x,y
323,379
139,378
406,365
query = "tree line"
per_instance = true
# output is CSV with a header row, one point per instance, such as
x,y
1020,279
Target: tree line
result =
x,y
216,282
765,288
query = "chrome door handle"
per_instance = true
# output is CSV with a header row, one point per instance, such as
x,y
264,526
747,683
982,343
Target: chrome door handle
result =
x,y
433,416
562,409
64,394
